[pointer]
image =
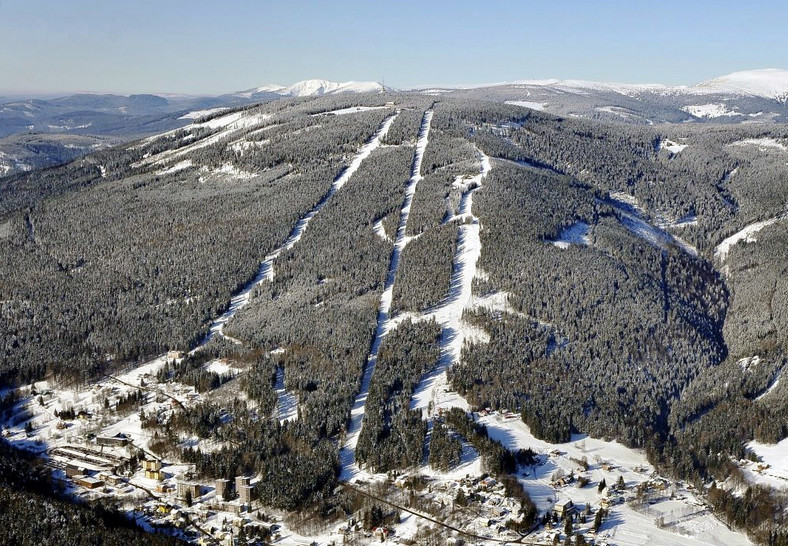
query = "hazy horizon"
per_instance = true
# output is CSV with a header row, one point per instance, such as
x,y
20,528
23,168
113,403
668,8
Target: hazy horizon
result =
x,y
209,48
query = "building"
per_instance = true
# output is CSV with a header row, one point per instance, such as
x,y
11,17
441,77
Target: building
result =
x,y
153,470
246,493
118,440
184,488
222,486
240,481
111,479
74,470
87,482
564,508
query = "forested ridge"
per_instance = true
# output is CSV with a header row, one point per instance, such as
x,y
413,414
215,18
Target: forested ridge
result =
x,y
636,332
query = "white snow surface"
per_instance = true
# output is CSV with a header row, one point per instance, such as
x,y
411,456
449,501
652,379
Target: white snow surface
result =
x,y
576,234
528,104
286,401
776,456
347,453
746,234
772,387
771,83
228,169
672,147
197,114
266,270
179,166
710,111
764,144
350,110
380,230
310,88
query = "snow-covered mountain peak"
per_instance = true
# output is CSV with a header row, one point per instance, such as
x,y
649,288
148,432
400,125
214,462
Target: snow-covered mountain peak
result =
x,y
311,88
324,87
771,83
270,88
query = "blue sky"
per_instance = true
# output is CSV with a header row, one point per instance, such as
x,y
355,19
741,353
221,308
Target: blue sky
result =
x,y
194,46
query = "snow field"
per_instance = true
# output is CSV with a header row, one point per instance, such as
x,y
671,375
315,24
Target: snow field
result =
x,y
672,147
576,234
763,144
709,111
528,104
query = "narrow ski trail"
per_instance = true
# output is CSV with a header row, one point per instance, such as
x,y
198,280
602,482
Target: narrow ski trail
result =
x,y
347,453
449,313
266,270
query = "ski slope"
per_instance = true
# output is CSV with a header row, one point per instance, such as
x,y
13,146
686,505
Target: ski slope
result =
x,y
347,454
449,314
266,270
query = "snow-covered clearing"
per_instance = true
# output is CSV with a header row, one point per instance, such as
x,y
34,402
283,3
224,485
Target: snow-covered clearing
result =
x,y
621,112
244,145
666,221
576,234
685,221
763,144
746,234
672,147
654,235
380,230
197,114
347,454
230,170
528,104
709,111
221,367
179,166
350,110
626,201
774,471
266,270
495,302
286,402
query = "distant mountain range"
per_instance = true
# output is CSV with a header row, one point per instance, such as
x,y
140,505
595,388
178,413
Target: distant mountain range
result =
x,y
310,88
749,96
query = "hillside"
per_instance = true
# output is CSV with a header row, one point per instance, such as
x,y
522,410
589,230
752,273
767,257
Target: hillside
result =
x,y
356,285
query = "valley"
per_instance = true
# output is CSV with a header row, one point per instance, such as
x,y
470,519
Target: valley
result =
x,y
369,317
